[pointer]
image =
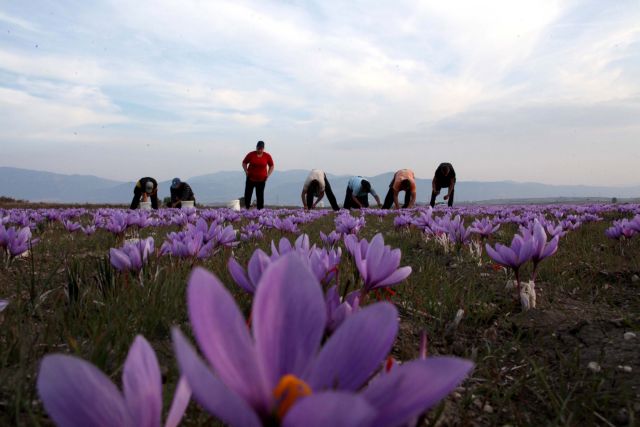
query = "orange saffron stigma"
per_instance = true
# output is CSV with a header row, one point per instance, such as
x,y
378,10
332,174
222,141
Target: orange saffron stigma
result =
x,y
289,389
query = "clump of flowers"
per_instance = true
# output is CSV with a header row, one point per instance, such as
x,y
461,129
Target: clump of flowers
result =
x,y
282,373
132,256
528,246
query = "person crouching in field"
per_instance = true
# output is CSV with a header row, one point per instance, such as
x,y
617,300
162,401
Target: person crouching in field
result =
x,y
180,192
145,188
403,180
357,196
317,185
445,177
257,165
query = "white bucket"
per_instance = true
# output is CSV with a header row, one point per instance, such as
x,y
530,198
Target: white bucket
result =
x,y
234,205
187,204
320,204
145,206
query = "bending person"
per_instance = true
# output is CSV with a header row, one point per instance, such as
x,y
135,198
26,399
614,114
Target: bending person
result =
x,y
357,195
403,180
145,188
257,165
317,185
445,177
180,192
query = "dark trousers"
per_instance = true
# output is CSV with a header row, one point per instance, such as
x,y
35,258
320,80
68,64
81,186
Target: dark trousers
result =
x,y
388,200
433,196
328,192
349,203
248,192
137,194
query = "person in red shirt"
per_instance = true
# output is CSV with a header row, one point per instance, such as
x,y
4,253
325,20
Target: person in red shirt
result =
x,y
257,165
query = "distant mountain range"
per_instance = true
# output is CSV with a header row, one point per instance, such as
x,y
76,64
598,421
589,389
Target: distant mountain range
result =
x,y
283,188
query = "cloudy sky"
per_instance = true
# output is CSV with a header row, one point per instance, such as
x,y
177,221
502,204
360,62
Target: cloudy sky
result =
x,y
541,90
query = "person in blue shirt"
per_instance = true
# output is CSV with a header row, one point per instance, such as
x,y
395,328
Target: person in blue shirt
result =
x,y
357,196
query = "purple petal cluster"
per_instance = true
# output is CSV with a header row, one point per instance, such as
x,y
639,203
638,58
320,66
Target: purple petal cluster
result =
x,y
16,241
76,393
245,372
377,263
348,224
132,256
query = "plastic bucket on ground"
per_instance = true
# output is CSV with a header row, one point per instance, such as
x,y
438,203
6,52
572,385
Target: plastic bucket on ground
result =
x,y
145,206
188,204
234,204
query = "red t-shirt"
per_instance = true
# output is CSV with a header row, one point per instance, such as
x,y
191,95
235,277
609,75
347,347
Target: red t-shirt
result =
x,y
258,165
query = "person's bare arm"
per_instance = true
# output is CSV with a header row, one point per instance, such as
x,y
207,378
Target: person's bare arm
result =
x,y
356,201
245,167
270,170
378,200
303,196
412,202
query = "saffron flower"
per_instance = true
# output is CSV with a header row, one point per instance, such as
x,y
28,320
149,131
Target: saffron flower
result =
x,y
483,227
16,241
541,248
132,256
347,224
378,265
280,373
248,280
76,393
331,239
514,256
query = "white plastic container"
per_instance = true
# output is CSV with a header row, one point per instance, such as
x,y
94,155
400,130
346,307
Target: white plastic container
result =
x,y
187,204
145,206
234,205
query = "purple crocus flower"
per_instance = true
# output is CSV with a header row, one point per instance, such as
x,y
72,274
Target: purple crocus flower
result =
x,y
541,248
132,256
337,310
16,241
253,230
331,239
519,253
280,370
3,304
257,265
347,224
378,265
71,226
484,227
76,393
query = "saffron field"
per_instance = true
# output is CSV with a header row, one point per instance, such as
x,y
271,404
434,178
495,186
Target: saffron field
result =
x,y
501,315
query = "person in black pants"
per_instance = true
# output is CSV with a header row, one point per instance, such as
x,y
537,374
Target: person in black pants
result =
x,y
258,166
445,177
317,185
357,195
145,187
180,192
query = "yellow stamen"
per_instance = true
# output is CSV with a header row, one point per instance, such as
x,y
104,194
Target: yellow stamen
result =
x,y
289,389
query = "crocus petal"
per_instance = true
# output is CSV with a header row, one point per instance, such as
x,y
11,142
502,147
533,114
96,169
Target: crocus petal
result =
x,y
414,387
494,255
257,264
330,409
396,277
76,393
289,318
209,391
181,399
142,384
551,248
119,259
356,350
239,276
223,336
